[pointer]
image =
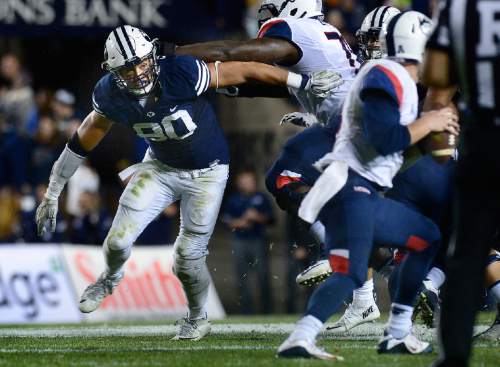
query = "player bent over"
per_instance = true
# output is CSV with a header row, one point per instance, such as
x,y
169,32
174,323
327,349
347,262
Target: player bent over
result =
x,y
379,122
160,99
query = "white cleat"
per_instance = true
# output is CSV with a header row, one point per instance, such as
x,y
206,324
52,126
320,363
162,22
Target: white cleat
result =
x,y
300,348
315,274
95,293
355,315
193,329
408,345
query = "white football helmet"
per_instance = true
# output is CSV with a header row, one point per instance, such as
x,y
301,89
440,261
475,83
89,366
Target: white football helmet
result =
x,y
125,48
368,34
406,36
289,8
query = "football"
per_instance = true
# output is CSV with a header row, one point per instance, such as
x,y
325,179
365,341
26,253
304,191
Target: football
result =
x,y
440,145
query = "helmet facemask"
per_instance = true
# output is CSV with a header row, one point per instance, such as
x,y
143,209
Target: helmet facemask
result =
x,y
266,12
369,43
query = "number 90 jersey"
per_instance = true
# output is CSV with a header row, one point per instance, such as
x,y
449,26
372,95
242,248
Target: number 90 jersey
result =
x,y
179,124
320,47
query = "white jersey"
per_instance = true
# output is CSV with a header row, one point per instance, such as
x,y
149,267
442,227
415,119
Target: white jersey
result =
x,y
351,145
321,47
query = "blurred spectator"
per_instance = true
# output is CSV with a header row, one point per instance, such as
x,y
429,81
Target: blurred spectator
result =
x,y
28,230
85,179
14,156
47,145
42,106
9,214
247,213
17,101
64,112
346,16
159,231
94,222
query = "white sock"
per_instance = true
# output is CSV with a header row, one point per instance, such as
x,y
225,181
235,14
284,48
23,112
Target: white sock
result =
x,y
495,291
317,230
307,328
436,277
399,324
363,294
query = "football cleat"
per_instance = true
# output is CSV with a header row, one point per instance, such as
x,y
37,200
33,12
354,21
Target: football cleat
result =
x,y
493,332
193,329
300,348
408,345
355,315
428,304
95,293
315,274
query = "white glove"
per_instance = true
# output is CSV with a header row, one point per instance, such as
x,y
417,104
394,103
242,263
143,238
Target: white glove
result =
x,y
299,119
322,83
46,212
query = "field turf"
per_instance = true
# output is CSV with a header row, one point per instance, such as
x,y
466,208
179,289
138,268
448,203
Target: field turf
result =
x,y
236,341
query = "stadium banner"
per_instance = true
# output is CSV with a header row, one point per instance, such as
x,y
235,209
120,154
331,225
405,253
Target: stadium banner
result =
x,y
34,286
149,290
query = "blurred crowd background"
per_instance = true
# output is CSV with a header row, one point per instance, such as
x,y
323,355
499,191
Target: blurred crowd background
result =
x,y
46,79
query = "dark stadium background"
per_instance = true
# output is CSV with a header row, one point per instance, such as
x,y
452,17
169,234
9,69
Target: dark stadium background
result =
x,y
57,56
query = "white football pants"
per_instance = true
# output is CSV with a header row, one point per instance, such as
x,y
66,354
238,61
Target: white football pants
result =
x,y
153,187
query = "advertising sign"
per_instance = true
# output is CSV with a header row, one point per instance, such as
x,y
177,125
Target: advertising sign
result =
x,y
34,286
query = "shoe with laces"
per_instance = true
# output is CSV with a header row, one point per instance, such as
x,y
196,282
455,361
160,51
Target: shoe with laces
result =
x,y
95,293
301,348
193,329
355,315
407,345
427,306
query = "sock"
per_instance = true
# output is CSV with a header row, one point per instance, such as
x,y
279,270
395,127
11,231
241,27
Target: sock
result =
x,y
115,259
307,328
363,294
317,230
495,291
399,324
436,277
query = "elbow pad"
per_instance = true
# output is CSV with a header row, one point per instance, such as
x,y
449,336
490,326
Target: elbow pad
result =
x,y
65,166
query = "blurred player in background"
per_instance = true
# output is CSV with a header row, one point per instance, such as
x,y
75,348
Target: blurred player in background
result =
x,y
161,100
464,51
379,122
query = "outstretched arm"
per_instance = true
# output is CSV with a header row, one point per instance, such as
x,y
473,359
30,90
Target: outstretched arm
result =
x,y
89,134
266,50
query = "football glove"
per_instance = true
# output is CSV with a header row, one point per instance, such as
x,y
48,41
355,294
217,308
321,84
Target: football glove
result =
x,y
46,212
299,119
322,83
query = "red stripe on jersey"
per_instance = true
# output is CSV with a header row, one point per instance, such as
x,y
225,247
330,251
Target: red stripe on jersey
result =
x,y
267,25
339,264
395,82
416,243
282,181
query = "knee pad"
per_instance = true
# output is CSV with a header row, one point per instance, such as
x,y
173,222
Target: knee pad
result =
x,y
191,245
117,240
191,271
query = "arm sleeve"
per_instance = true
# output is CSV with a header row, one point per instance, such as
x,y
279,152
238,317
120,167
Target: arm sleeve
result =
x,y
381,125
440,38
190,77
280,29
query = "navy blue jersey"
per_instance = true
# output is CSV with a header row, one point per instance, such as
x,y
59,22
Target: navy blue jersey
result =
x,y
179,125
295,162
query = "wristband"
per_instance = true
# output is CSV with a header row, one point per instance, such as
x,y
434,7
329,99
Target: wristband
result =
x,y
297,81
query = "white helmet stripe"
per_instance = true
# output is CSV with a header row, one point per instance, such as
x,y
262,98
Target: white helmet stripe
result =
x,y
382,15
374,17
123,43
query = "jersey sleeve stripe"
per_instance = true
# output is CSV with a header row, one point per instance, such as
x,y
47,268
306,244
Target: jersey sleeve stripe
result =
x,y
199,76
96,107
268,25
394,81
204,81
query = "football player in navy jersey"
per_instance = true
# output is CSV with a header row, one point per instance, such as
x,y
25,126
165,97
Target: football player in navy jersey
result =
x,y
187,160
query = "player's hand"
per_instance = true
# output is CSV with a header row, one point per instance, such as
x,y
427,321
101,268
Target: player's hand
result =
x,y
444,119
299,119
46,214
322,83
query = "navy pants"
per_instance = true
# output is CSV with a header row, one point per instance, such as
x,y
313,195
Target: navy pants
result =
x,y
359,217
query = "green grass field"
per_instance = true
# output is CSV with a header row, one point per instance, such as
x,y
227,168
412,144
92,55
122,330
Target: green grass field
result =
x,y
236,341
